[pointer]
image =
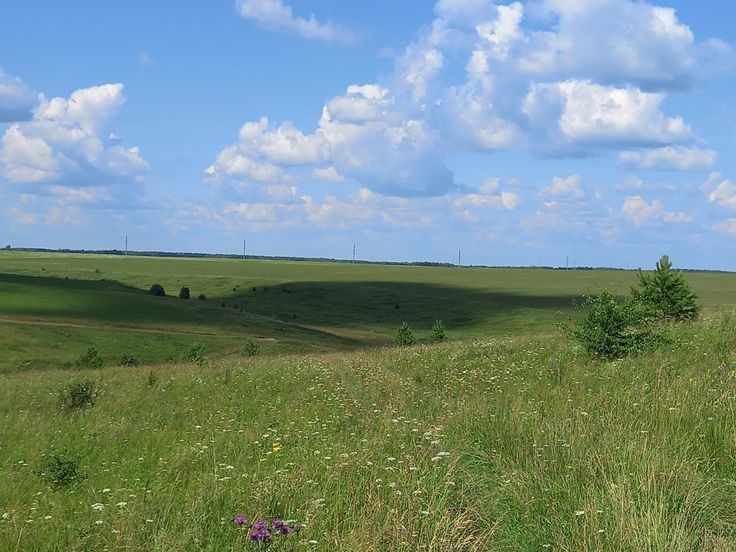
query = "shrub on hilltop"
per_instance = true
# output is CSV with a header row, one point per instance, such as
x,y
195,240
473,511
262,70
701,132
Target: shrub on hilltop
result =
x,y
157,290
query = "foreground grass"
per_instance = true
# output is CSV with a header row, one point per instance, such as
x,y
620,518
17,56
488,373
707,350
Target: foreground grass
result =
x,y
501,444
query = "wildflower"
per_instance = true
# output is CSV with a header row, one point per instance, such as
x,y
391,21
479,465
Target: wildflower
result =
x,y
98,506
276,447
239,520
580,513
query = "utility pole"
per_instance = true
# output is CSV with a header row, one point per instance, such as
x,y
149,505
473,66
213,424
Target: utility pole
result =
x,y
353,253
244,248
458,257
126,245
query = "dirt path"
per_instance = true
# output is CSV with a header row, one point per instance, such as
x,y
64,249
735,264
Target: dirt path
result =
x,y
110,327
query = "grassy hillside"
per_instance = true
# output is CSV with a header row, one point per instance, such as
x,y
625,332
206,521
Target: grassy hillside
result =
x,y
48,320
496,444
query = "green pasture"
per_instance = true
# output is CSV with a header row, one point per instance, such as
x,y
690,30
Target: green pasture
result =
x,y
513,443
53,306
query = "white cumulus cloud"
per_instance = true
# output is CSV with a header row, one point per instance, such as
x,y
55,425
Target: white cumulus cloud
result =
x,y
638,212
274,15
17,99
669,157
66,140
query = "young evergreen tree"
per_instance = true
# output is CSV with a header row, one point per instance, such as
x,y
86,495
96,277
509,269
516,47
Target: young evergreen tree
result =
x,y
666,293
405,335
438,332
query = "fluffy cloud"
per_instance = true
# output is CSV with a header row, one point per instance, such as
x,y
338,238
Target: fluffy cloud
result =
x,y
17,100
565,187
589,113
359,136
603,40
274,15
669,157
638,212
550,85
66,141
488,196
728,226
721,191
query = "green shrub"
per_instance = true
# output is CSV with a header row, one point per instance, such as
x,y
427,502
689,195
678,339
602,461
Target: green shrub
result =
x,y
78,395
666,293
60,470
129,360
157,290
438,332
612,329
184,293
251,348
196,355
202,297
90,359
405,335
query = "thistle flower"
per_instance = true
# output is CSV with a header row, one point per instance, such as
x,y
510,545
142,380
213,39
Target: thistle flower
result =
x,y
240,520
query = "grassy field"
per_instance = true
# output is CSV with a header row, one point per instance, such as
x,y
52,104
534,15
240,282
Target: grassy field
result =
x,y
508,443
54,306
505,438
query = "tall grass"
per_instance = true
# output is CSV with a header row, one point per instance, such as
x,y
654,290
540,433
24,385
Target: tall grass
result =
x,y
500,444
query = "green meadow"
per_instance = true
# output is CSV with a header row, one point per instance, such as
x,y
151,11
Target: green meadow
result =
x,y
54,306
506,437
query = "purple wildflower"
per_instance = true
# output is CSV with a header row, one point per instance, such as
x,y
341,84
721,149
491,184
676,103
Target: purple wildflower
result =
x,y
284,529
297,527
260,524
240,520
260,535
277,523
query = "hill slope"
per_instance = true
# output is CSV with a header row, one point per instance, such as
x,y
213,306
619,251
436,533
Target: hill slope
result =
x,y
500,444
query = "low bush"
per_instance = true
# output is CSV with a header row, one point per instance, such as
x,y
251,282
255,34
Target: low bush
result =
x,y
78,395
195,354
129,360
157,290
184,293
60,470
251,348
202,297
90,359
612,328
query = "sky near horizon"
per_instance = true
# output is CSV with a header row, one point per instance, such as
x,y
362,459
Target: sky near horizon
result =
x,y
545,132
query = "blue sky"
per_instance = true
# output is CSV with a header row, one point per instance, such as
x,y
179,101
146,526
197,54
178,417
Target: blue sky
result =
x,y
525,133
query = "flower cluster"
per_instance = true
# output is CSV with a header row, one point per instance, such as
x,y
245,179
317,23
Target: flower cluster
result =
x,y
263,531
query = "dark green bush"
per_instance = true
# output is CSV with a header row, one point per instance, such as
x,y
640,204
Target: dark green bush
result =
x,y
129,360
611,328
251,348
202,297
184,293
60,470
90,359
405,335
438,332
157,290
78,395
195,354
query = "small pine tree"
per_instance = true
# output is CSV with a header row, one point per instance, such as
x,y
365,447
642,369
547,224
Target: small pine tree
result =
x,y
666,293
405,335
438,332
184,293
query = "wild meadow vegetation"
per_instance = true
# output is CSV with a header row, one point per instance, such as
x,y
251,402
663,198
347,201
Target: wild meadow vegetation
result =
x,y
441,436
